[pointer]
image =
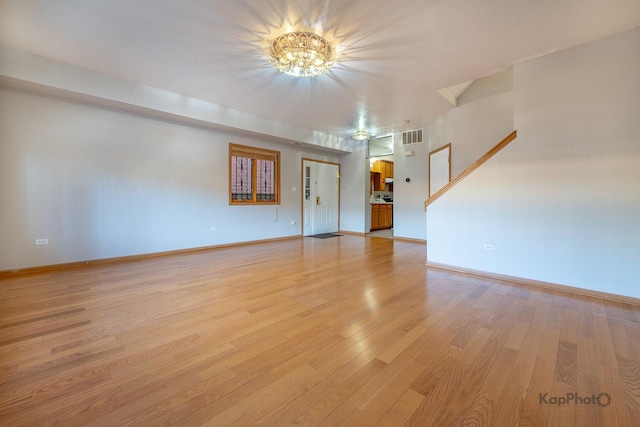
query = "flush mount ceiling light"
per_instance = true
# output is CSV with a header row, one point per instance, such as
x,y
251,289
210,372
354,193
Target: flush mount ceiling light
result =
x,y
301,54
361,134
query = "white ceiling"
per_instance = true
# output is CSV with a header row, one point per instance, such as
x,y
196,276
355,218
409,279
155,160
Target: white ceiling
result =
x,y
392,56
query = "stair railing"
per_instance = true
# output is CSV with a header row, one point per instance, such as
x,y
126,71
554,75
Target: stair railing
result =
x,y
471,168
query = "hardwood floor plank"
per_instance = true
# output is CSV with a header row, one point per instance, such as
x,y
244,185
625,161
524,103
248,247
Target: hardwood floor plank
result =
x,y
587,359
384,399
567,363
14,336
65,398
534,412
605,349
60,365
399,346
518,334
480,413
49,317
436,402
402,409
617,412
529,348
588,414
510,408
481,410
561,413
392,373
437,365
322,412
344,365
621,342
348,331
629,372
482,353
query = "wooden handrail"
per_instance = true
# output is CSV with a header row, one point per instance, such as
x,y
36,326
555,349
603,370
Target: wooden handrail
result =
x,y
471,168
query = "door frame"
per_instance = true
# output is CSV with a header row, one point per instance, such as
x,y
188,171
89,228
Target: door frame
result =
x,y
437,150
302,193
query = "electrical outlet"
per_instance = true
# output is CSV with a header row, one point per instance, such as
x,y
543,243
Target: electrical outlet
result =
x,y
39,242
214,228
488,247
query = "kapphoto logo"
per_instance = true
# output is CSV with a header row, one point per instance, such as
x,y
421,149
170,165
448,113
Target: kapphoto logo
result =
x,y
601,399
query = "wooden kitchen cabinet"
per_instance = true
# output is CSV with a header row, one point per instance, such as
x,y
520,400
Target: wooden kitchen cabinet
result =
x,y
384,167
375,217
388,169
381,169
381,216
386,216
375,182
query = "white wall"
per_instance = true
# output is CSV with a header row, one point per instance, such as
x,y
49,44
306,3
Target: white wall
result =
x,y
354,191
409,197
483,118
100,183
26,71
561,203
478,126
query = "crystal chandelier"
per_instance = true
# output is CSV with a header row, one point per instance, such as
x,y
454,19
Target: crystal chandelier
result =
x,y
301,54
361,134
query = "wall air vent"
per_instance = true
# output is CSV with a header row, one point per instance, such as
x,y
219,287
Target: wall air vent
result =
x,y
412,137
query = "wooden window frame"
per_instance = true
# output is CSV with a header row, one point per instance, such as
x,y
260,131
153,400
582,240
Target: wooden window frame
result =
x,y
254,153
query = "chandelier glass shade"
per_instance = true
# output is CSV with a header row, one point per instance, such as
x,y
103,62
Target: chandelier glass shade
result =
x,y
361,134
301,54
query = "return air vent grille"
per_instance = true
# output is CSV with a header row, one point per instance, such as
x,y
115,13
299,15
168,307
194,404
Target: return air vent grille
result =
x,y
412,137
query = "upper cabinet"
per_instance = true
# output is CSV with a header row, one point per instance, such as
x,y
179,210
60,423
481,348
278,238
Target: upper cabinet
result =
x,y
382,170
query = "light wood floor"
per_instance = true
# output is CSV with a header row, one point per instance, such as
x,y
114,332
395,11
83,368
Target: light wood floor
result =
x,y
388,233
343,331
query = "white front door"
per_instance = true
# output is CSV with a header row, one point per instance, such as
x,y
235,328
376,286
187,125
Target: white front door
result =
x,y
320,204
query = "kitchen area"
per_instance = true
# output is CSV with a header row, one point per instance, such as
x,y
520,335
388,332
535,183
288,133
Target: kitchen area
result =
x,y
381,197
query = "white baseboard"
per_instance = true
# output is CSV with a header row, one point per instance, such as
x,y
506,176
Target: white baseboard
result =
x,y
538,284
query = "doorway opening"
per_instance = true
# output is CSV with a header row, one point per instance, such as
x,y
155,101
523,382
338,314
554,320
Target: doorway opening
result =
x,y
380,210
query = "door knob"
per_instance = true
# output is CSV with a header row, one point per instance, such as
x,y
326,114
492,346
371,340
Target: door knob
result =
x,y
317,200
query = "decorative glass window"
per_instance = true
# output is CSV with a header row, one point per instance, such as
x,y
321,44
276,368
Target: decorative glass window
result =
x,y
254,175
307,183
